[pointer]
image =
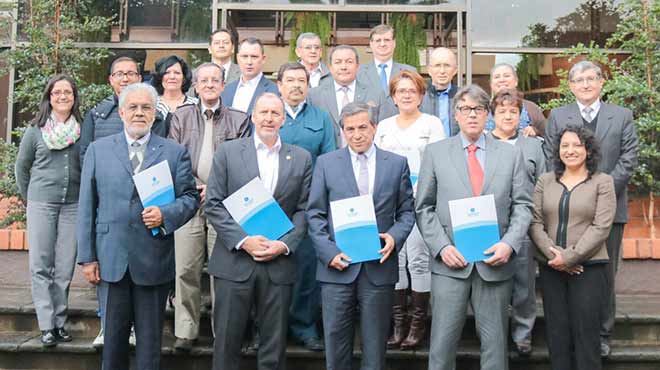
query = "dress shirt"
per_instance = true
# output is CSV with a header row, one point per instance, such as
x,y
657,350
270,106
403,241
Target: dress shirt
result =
x,y
595,107
143,140
340,94
315,76
371,165
290,111
388,69
206,153
443,109
481,149
244,93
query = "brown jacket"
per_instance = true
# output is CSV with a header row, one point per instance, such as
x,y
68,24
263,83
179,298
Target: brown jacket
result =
x,y
591,209
536,116
187,128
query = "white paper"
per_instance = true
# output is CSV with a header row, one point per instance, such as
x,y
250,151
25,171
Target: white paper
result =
x,y
353,211
153,182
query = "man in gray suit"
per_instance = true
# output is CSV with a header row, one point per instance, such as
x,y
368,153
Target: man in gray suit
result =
x,y
115,242
615,132
466,165
250,270
335,93
440,91
310,50
377,74
221,48
360,169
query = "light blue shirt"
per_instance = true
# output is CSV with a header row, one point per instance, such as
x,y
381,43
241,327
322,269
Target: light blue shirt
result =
x,y
443,109
481,148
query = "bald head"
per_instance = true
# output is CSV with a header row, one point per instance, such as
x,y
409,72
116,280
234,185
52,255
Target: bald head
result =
x,y
442,67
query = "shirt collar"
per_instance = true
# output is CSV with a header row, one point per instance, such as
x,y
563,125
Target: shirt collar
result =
x,y
213,108
514,137
481,142
595,106
289,110
141,141
351,86
443,92
389,65
368,153
253,82
259,145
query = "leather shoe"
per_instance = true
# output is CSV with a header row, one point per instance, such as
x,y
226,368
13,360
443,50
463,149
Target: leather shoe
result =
x,y
314,344
524,349
605,349
183,344
48,338
61,335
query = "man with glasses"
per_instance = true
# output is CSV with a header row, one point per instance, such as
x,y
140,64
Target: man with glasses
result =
x,y
104,120
460,167
615,132
200,128
310,50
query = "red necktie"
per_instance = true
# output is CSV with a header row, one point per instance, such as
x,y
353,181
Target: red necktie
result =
x,y
475,170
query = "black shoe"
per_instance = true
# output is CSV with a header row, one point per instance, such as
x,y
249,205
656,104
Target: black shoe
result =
x,y
48,338
313,344
524,349
183,344
62,335
605,349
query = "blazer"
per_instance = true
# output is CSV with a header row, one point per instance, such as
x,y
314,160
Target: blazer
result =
x,y
615,132
369,75
443,176
265,85
532,152
233,74
393,202
592,205
110,227
324,97
234,165
430,106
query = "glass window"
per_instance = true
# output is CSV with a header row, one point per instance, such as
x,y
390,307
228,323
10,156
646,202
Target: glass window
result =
x,y
559,23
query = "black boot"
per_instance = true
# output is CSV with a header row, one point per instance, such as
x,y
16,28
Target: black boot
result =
x,y
400,320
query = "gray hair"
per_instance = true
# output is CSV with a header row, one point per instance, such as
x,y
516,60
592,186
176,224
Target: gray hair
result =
x,y
354,108
137,87
207,65
306,36
473,92
582,66
268,95
498,65
344,47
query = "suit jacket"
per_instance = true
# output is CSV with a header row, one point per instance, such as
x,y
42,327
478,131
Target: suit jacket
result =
x,y
265,85
430,106
234,165
532,152
369,74
443,176
110,227
393,201
615,132
325,73
324,97
233,74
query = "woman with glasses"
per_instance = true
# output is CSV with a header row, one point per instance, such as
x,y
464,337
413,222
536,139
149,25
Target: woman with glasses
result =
x,y
408,133
48,178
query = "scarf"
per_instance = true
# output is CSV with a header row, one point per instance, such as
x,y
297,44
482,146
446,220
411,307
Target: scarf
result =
x,y
60,135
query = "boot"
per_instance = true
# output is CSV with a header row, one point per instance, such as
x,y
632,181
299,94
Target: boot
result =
x,y
420,306
399,315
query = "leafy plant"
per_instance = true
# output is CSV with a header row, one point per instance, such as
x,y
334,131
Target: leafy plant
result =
x,y
316,22
410,37
9,194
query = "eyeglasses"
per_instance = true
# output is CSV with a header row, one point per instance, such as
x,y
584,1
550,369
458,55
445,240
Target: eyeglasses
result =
x,y
120,75
58,93
312,47
465,110
589,80
214,81
405,91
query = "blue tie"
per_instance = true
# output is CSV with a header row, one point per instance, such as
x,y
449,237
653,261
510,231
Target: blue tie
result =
x,y
383,77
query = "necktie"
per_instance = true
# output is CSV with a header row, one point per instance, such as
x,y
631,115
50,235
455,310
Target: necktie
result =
x,y
475,171
363,175
344,99
136,159
587,114
208,114
383,77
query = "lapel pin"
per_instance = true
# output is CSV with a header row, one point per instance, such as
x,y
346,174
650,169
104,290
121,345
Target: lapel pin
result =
x,y
288,157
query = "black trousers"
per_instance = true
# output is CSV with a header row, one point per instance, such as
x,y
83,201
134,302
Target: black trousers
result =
x,y
139,305
572,305
614,251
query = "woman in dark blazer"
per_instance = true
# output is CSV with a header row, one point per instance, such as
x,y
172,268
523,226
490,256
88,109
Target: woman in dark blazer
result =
x,y
48,178
574,208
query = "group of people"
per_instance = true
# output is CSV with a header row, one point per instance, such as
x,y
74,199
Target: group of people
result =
x,y
318,134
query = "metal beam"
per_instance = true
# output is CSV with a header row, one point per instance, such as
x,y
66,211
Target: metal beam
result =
x,y
468,42
533,50
383,8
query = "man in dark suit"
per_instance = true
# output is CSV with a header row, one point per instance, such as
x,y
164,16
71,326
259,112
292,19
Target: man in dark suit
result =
x,y
379,73
615,132
440,92
467,165
358,170
221,48
250,270
115,242
242,93
343,88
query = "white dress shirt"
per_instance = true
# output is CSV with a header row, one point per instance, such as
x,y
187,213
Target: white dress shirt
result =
x,y
595,107
388,69
339,94
244,93
315,76
371,165
290,111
